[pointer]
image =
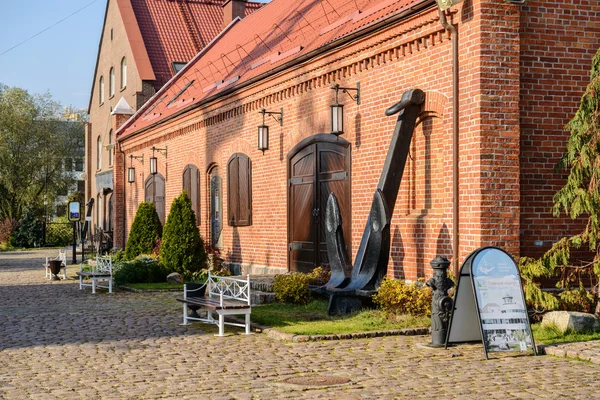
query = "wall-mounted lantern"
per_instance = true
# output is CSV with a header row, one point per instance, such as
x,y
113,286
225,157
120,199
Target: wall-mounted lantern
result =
x,y
131,169
154,161
263,129
337,109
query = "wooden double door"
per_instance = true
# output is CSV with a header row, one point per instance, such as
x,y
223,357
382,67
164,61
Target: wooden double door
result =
x,y
317,166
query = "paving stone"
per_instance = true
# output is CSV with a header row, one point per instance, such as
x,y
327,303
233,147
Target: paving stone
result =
x,y
60,342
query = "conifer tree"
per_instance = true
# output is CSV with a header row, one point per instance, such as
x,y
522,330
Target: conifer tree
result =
x,y
145,233
578,198
182,248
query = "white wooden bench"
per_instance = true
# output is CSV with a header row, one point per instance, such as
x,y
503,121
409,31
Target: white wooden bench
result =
x,y
62,257
100,274
224,296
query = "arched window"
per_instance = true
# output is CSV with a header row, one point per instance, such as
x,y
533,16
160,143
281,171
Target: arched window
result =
x,y
110,148
108,213
154,192
101,90
111,83
239,190
123,73
216,207
191,184
99,153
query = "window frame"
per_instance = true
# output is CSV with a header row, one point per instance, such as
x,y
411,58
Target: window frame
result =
x,y
235,190
99,153
101,90
123,73
111,83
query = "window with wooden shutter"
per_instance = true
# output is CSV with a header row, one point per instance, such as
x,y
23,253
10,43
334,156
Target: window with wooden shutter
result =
x,y
191,184
239,190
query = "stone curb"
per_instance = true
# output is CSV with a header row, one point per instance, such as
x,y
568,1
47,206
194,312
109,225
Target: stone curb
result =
x,y
576,350
279,335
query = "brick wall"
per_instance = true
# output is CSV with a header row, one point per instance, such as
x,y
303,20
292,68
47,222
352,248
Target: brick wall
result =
x,y
558,41
498,63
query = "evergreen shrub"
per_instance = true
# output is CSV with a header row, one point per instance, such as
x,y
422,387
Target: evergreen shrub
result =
x,y
143,269
399,297
28,233
145,233
292,288
182,247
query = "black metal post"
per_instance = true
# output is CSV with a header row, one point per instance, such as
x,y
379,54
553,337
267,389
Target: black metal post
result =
x,y
441,303
74,243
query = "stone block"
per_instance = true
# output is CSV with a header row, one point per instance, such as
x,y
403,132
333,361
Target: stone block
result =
x,y
174,277
571,320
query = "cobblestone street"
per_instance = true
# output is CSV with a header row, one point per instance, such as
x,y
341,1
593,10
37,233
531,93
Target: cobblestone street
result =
x,y
58,342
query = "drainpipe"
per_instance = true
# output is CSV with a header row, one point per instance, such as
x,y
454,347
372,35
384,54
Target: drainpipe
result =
x,y
124,216
455,210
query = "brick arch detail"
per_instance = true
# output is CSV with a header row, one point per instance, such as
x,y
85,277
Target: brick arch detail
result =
x,y
214,155
241,145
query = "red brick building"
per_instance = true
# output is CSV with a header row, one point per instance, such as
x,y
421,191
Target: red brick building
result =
x,y
142,45
521,72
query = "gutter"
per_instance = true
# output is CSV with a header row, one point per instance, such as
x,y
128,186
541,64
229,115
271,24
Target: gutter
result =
x,y
302,59
455,205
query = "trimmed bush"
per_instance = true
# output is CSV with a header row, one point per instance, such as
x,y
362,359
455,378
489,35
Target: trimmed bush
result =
x,y
144,269
292,288
59,232
182,248
145,233
399,297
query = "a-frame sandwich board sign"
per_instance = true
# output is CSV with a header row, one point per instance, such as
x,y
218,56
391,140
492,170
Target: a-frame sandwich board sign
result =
x,y
489,304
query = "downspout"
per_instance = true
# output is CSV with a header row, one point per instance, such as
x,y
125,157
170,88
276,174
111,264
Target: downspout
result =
x,y
455,210
124,216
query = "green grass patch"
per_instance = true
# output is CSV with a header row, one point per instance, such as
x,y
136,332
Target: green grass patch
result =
x,y
155,286
312,319
551,335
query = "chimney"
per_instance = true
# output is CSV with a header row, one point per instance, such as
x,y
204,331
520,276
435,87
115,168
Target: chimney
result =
x,y
233,9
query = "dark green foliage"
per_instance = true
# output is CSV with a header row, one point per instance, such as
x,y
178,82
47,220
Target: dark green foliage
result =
x,y
145,233
182,248
579,198
59,232
292,288
28,233
143,269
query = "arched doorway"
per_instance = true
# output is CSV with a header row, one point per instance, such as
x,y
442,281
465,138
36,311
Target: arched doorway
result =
x,y
154,192
317,166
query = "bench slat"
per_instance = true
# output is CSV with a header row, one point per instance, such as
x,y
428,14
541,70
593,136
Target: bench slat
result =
x,y
214,304
92,274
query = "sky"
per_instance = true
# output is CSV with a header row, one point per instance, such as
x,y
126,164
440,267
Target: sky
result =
x,y
62,59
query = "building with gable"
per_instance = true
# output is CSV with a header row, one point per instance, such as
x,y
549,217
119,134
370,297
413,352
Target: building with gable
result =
x,y
480,170
143,44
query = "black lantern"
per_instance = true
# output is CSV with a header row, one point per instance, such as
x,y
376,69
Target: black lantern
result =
x,y
263,137
154,160
337,118
263,129
337,109
131,169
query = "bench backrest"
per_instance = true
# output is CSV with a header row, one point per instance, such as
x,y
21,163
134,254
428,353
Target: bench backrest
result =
x,y
103,265
62,256
229,288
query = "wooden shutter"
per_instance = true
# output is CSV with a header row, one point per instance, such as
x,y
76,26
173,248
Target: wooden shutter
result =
x,y
191,184
232,190
239,190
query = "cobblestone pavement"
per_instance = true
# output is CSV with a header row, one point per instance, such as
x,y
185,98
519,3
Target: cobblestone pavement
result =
x,y
57,342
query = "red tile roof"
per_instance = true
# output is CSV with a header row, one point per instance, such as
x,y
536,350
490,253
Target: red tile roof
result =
x,y
175,31
279,32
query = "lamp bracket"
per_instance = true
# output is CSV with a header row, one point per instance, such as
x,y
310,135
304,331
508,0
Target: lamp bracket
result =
x,y
141,158
347,90
162,151
272,114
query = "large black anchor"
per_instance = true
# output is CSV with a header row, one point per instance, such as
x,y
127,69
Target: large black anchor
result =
x,y
348,293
